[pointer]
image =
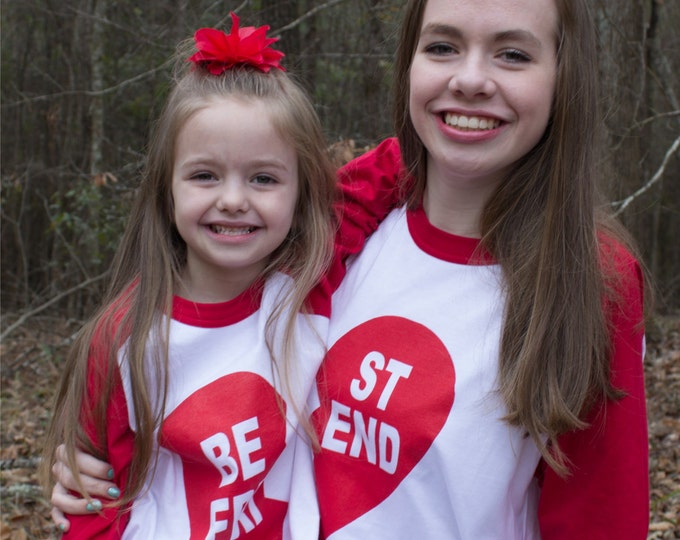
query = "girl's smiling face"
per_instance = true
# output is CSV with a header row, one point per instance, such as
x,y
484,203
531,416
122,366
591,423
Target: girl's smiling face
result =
x,y
482,82
235,188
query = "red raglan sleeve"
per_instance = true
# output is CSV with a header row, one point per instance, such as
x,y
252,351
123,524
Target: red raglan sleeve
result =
x,y
369,188
607,494
110,523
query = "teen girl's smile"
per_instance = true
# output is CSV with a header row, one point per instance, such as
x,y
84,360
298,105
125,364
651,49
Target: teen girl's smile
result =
x,y
234,187
482,81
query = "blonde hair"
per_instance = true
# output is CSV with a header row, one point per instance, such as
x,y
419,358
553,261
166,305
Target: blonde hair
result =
x,y
542,226
149,260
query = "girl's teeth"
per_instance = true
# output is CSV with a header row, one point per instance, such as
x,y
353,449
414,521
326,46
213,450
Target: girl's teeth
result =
x,y
230,231
470,122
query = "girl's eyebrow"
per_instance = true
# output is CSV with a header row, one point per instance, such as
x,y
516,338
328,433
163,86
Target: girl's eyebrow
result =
x,y
518,35
441,29
207,161
506,35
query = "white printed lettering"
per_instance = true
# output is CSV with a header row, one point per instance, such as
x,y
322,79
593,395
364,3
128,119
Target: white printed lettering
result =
x,y
217,525
397,370
391,435
385,454
372,361
246,447
240,517
216,448
335,424
365,435
369,376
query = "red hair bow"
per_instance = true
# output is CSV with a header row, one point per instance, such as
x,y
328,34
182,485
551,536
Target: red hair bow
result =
x,y
218,52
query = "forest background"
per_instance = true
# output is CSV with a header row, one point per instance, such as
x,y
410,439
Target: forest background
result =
x,y
82,82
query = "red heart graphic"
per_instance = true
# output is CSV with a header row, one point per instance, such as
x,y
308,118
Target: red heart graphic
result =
x,y
228,435
386,388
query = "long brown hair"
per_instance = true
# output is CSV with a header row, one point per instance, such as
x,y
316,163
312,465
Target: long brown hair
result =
x,y
541,225
151,255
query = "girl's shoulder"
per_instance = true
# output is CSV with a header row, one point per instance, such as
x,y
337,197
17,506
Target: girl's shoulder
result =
x,y
623,275
111,326
385,157
618,259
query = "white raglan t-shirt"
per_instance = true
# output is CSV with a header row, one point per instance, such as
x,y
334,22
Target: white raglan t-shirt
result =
x,y
410,420
413,437
228,459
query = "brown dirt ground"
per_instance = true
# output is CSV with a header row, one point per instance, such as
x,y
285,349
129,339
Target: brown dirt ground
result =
x,y
31,359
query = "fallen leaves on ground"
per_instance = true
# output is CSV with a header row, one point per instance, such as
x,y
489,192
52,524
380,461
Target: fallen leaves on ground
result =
x,y
31,360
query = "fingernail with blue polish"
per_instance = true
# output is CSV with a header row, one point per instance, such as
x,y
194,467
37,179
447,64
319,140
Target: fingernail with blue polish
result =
x,y
109,474
113,492
94,506
61,527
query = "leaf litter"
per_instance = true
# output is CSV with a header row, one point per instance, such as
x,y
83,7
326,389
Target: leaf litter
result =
x,y
31,358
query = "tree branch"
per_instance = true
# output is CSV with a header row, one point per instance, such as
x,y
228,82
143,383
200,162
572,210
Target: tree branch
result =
x,y
21,320
307,15
657,175
90,93
642,123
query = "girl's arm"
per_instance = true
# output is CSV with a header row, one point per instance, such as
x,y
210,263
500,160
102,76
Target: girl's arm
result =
x,y
72,512
369,188
88,518
607,493
95,476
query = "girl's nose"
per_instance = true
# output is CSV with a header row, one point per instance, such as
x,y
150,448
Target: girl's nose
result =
x,y
472,78
233,197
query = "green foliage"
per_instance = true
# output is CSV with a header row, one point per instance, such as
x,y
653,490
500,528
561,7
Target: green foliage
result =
x,y
89,219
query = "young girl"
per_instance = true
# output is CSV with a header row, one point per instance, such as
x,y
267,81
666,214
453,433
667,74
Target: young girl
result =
x,y
192,376
484,377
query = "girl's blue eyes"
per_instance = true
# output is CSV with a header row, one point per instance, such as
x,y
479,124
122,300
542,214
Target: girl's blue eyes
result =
x,y
439,48
204,176
264,179
260,179
513,56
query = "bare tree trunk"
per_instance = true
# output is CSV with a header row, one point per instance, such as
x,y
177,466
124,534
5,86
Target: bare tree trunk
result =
x,y
68,63
97,103
642,115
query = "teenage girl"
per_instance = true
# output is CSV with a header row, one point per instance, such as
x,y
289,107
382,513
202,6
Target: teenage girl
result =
x,y
191,378
484,377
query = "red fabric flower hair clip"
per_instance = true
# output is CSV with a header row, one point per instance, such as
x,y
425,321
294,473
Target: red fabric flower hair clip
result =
x,y
218,52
